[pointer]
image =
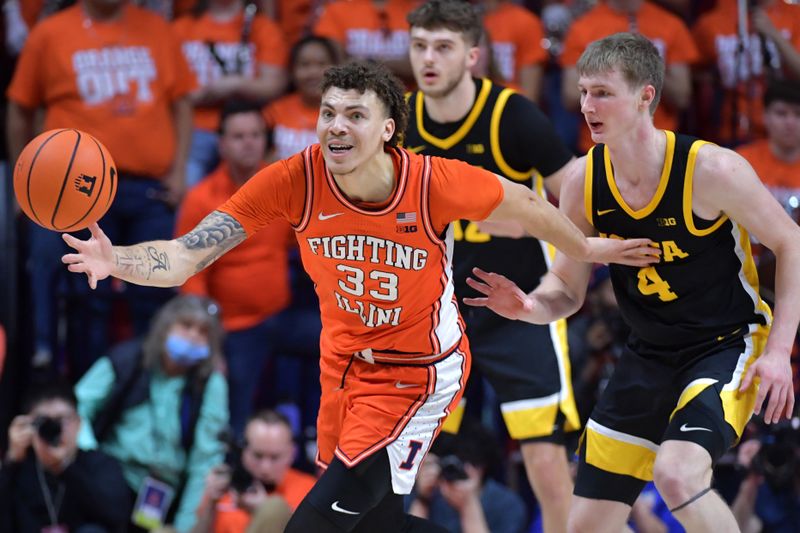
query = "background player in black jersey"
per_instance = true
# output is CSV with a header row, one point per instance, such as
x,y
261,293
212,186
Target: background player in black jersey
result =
x,y
688,379
457,116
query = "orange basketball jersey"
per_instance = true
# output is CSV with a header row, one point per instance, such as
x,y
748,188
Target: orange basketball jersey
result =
x,y
383,276
382,272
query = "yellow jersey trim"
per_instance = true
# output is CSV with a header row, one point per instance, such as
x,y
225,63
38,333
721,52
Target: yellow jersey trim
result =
x,y
460,133
688,214
662,184
494,139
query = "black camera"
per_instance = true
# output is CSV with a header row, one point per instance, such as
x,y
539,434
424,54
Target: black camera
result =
x,y
452,468
241,479
49,429
778,460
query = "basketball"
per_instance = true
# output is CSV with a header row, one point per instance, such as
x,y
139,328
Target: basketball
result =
x,y
65,180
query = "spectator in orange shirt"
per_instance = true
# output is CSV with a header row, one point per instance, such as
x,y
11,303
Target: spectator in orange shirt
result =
x,y
516,36
772,49
234,53
119,76
666,31
254,325
295,17
776,159
235,493
370,29
293,118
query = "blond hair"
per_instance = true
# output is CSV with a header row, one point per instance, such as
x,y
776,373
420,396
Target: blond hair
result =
x,y
636,58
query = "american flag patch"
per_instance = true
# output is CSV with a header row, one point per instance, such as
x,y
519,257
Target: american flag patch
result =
x,y
407,218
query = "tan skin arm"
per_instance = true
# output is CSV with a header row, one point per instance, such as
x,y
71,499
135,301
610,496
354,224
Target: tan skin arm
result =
x,y
724,182
540,219
562,290
155,263
19,128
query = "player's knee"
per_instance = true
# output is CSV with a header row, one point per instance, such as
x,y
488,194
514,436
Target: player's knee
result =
x,y
679,478
580,522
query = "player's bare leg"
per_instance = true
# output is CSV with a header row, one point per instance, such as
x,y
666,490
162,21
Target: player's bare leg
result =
x,y
548,473
597,516
682,474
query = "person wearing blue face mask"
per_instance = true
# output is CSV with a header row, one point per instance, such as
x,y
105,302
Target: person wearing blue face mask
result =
x,y
158,405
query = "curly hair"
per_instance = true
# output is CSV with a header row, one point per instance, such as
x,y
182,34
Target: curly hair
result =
x,y
364,76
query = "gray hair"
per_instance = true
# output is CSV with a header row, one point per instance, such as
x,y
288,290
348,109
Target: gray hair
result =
x,y
632,54
188,309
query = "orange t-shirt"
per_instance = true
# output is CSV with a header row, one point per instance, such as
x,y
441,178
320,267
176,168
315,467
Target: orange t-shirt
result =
x,y
293,124
516,36
182,7
666,31
717,39
232,519
381,272
262,259
295,17
116,80
773,172
366,31
30,11
214,48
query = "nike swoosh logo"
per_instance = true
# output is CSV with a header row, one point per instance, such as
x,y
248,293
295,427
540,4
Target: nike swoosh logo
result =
x,y
686,428
335,507
605,212
416,149
323,216
401,385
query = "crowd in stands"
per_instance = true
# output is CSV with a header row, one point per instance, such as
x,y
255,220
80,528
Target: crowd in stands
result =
x,y
136,408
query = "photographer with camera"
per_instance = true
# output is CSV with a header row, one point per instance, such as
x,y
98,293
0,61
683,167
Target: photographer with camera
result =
x,y
769,495
256,488
453,489
47,483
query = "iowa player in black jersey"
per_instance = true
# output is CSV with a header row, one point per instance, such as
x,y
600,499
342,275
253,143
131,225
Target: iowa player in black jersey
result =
x,y
701,357
456,116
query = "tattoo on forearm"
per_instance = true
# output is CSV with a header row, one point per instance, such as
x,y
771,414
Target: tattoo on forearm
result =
x,y
141,261
160,260
218,232
133,262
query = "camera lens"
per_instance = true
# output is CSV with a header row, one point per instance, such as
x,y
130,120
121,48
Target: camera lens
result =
x,y
49,429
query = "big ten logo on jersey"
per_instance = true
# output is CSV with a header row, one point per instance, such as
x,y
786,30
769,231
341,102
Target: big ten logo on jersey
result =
x,y
750,63
377,43
211,61
106,73
363,286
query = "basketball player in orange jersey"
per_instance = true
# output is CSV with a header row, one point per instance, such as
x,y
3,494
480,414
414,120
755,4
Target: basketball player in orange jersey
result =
x,y
701,357
373,226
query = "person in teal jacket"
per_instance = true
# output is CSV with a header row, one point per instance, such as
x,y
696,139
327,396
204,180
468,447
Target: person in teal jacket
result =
x,y
158,406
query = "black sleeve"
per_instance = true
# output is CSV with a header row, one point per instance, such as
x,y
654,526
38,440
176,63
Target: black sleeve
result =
x,y
529,140
8,476
96,479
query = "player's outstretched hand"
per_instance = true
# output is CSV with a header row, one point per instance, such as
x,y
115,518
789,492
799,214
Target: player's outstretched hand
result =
x,y
775,374
630,252
94,258
501,295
